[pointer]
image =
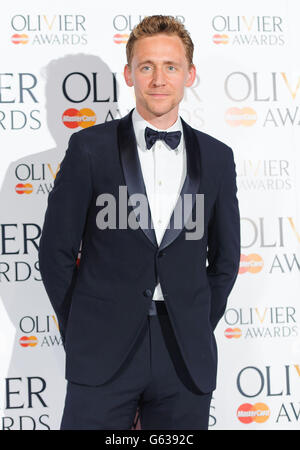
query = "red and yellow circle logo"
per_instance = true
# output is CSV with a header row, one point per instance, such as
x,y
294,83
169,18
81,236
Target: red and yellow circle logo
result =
x,y
84,118
236,117
233,333
28,341
220,38
121,38
258,413
19,38
24,188
252,263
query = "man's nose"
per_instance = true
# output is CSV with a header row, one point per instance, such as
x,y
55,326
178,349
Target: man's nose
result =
x,y
159,77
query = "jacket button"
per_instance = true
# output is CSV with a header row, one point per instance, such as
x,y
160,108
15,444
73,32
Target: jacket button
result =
x,y
160,254
147,293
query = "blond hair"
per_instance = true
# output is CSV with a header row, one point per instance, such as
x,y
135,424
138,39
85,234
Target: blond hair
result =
x,y
152,25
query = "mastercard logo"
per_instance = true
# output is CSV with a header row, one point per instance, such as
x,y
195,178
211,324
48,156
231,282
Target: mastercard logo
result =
x,y
220,39
19,39
251,263
24,188
84,118
233,333
236,117
258,413
121,38
28,341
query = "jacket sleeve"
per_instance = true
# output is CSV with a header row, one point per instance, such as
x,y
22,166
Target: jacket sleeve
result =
x,y
223,252
63,228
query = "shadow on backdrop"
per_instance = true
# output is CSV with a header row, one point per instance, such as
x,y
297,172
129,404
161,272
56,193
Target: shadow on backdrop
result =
x,y
35,386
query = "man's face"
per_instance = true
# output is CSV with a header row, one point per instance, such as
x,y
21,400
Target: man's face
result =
x,y
159,72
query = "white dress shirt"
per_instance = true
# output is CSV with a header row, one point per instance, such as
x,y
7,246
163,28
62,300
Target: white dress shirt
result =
x,y
164,172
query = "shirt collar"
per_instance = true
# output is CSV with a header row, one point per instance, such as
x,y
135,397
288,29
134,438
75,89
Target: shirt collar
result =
x,y
139,125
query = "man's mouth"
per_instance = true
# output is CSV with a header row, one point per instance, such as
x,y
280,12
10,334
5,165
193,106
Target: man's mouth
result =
x,y
159,95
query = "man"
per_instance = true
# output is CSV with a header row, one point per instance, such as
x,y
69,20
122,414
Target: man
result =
x,y
138,313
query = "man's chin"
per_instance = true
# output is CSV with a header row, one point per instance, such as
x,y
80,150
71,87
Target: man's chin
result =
x,y
159,109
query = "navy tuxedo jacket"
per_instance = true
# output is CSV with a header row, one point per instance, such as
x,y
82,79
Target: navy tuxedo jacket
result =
x,y
102,304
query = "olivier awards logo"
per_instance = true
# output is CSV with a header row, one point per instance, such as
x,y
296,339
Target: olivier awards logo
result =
x,y
45,329
270,99
89,88
269,322
276,237
35,178
43,29
248,31
278,385
265,175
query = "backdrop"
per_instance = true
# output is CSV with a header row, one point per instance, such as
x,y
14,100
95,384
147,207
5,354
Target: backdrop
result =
x,y
62,70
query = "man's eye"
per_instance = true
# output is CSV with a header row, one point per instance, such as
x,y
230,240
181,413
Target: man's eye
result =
x,y
171,67
146,67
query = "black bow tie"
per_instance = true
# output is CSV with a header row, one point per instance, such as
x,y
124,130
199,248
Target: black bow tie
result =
x,y
171,138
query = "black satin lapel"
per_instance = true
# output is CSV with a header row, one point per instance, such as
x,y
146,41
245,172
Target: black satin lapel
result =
x,y
132,169
190,186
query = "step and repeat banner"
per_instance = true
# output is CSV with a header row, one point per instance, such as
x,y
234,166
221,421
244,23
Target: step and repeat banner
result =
x,y
61,70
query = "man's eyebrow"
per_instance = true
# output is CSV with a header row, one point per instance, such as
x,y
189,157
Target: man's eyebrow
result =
x,y
148,61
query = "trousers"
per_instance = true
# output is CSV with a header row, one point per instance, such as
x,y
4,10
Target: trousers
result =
x,y
153,380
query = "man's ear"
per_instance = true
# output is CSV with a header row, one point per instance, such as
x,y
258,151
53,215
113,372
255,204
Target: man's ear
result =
x,y
127,75
191,76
